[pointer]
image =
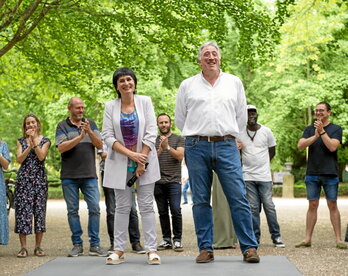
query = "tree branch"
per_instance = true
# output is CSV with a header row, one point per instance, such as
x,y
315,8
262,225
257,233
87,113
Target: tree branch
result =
x,y
11,14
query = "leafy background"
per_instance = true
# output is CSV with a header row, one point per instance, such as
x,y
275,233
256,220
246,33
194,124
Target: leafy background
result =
x,y
289,54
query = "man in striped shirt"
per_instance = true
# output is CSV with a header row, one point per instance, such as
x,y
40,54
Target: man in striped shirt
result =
x,y
170,151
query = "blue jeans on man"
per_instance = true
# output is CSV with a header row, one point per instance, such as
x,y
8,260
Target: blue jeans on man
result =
x,y
89,188
168,196
184,190
260,196
223,157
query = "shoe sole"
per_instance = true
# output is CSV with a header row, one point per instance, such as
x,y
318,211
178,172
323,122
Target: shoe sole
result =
x,y
116,262
252,260
180,249
205,261
77,255
98,255
153,262
139,252
279,246
161,249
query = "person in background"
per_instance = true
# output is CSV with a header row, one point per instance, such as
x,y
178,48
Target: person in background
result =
x,y
31,186
185,181
211,111
4,162
322,140
170,151
129,132
257,144
110,203
77,138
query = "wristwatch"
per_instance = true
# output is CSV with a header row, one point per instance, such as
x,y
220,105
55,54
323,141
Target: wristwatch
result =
x,y
168,148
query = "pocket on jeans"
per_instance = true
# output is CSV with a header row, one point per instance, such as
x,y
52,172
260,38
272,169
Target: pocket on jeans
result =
x,y
190,142
230,141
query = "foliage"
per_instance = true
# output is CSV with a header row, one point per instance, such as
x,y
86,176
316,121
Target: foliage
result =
x,y
307,70
288,55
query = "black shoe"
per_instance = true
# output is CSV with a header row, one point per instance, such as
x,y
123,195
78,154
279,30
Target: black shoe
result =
x,y
137,248
164,245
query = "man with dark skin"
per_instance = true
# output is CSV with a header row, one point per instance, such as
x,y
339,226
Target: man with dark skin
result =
x,y
257,144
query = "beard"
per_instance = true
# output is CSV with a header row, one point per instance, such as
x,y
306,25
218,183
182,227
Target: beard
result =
x,y
165,131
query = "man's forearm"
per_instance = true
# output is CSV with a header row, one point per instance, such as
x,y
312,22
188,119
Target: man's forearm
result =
x,y
96,141
68,145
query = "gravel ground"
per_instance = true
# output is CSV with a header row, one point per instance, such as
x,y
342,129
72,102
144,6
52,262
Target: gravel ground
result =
x,y
321,259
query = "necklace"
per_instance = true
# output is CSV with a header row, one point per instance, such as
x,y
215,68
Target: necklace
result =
x,y
251,137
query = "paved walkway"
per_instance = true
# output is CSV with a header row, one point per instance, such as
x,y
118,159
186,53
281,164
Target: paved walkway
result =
x,y
321,259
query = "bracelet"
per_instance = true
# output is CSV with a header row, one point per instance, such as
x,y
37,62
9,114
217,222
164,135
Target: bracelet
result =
x,y
321,134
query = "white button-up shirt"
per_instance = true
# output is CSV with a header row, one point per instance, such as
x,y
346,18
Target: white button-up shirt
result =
x,y
211,110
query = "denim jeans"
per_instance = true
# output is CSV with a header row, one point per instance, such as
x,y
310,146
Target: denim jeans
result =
x,y
260,195
133,228
184,190
168,195
89,188
223,157
315,182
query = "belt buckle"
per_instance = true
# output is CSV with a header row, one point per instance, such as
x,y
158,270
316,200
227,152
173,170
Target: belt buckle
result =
x,y
209,139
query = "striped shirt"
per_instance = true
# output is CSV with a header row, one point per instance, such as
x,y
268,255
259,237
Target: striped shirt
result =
x,y
169,166
78,162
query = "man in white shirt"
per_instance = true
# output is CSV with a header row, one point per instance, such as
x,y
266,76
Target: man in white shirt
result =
x,y
210,111
258,149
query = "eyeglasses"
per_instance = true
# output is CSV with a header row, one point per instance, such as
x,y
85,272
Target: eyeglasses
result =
x,y
319,110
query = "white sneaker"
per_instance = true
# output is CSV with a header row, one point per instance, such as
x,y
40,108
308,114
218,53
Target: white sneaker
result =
x,y
178,246
278,242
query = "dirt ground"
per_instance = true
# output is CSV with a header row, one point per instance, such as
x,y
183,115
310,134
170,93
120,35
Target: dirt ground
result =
x,y
321,259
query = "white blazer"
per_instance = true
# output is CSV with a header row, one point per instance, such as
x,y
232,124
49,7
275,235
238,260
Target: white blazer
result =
x,y
115,171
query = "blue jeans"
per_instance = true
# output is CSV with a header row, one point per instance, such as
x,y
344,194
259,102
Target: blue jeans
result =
x,y
223,157
184,190
89,188
168,195
260,194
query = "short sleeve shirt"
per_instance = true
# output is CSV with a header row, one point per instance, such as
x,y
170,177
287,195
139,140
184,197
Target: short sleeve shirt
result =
x,y
169,166
321,161
78,162
255,154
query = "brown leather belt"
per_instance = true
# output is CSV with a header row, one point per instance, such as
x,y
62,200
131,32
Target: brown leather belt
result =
x,y
213,138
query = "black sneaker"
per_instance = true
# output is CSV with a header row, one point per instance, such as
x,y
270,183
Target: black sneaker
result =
x,y
278,242
111,249
137,248
164,245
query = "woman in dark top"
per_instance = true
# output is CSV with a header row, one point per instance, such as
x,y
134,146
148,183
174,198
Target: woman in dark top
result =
x,y
31,186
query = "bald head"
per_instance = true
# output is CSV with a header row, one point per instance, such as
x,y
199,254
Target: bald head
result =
x,y
74,100
76,108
